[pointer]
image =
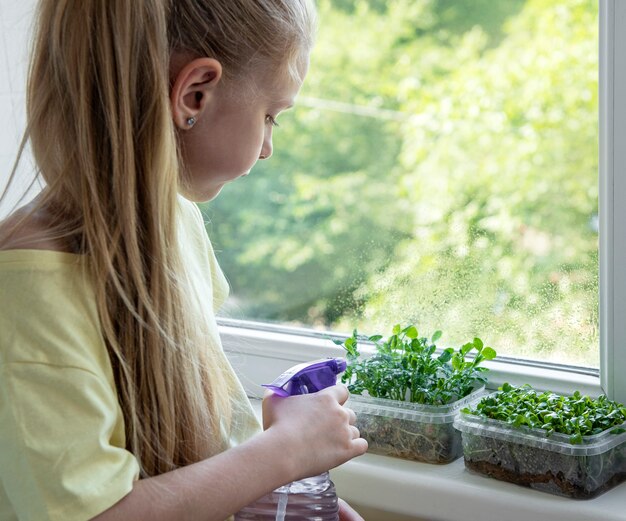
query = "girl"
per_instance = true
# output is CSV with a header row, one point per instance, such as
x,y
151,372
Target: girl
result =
x,y
116,399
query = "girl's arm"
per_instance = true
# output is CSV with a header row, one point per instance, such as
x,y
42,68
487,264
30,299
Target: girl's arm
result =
x,y
305,435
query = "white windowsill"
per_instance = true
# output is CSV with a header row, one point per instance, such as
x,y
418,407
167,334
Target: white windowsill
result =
x,y
451,493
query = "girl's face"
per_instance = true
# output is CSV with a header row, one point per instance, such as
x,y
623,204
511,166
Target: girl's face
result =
x,y
233,130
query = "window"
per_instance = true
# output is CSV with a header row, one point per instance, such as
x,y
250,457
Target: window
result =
x,y
441,168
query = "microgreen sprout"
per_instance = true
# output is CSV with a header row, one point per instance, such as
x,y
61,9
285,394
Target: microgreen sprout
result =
x,y
407,367
575,415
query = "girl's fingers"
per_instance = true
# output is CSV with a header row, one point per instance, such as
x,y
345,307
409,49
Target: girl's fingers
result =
x,y
355,432
347,513
339,391
360,446
351,416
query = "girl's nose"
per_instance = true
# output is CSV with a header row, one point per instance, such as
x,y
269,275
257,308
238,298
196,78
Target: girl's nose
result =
x,y
267,148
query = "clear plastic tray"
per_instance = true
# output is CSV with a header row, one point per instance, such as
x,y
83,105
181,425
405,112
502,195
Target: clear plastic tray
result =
x,y
550,463
410,430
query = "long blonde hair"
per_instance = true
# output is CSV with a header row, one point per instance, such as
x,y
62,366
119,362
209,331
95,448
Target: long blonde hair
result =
x,y
101,131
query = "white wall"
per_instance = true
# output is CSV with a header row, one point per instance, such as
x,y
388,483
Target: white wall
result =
x,y
15,31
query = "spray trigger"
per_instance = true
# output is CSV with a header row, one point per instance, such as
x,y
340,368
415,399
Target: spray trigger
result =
x,y
309,377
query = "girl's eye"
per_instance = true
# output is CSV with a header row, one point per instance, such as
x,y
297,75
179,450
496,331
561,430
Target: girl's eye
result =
x,y
270,119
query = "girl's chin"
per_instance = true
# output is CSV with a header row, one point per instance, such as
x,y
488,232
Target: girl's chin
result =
x,y
203,195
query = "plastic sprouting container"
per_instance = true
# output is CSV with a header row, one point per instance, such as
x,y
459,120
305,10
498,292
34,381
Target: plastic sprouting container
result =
x,y
410,430
531,458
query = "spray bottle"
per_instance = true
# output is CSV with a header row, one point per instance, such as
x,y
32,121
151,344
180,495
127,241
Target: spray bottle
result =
x,y
310,499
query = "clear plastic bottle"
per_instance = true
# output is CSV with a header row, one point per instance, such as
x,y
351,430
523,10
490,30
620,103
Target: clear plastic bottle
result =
x,y
310,499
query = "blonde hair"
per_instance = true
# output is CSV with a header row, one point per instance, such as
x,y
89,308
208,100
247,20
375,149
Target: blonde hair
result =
x,y
101,131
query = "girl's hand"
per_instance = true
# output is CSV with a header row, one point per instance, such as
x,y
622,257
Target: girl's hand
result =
x,y
347,513
314,431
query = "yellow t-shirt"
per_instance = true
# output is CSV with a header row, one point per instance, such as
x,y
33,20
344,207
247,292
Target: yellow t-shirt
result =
x,y
62,443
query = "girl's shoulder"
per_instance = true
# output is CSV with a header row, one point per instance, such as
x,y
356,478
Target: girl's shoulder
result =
x,y
28,228
49,312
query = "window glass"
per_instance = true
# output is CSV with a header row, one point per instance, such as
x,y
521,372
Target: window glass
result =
x,y
440,168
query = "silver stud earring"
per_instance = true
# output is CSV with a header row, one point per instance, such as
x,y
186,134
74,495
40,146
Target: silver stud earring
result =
x,y
191,121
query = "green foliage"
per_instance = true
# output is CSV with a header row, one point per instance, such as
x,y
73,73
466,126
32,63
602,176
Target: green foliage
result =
x,y
456,184
406,367
501,164
575,415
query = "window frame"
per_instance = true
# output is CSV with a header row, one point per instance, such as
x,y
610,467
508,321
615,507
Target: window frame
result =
x,y
259,351
612,193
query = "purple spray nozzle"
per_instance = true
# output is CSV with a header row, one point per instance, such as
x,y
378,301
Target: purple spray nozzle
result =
x,y
308,378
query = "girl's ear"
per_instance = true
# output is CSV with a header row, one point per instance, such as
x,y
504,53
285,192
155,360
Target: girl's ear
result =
x,y
193,88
